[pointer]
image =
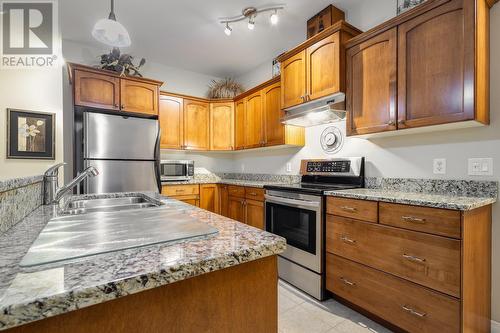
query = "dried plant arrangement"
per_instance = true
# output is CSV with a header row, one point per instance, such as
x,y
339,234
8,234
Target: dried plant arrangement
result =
x,y
120,63
225,88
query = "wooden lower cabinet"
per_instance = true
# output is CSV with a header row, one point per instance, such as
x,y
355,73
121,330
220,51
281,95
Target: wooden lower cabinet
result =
x,y
236,209
418,268
209,197
223,200
405,304
255,213
193,200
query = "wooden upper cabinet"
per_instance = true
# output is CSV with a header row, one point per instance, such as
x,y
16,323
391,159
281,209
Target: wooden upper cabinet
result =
x,y
293,80
372,85
196,125
222,126
436,66
171,122
323,67
254,121
275,130
239,124
96,90
139,97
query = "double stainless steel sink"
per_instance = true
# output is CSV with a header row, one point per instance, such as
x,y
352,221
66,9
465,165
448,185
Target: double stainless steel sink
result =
x,y
82,206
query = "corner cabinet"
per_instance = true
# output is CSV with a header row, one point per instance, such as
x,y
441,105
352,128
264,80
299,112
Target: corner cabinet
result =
x,y
316,68
222,126
102,89
196,125
239,123
426,67
171,116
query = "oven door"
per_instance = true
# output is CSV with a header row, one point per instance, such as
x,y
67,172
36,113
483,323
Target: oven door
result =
x,y
298,219
176,170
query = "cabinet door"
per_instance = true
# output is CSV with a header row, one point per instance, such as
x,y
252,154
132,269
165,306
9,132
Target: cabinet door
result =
x,y
171,122
223,200
293,80
97,90
275,130
254,213
323,67
209,199
237,209
196,125
254,121
139,97
193,200
221,126
436,66
239,124
371,85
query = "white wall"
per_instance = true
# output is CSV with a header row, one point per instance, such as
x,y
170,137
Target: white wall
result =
x,y
33,90
409,156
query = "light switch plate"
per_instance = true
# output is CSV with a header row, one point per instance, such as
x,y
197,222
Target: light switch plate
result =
x,y
439,166
289,167
480,166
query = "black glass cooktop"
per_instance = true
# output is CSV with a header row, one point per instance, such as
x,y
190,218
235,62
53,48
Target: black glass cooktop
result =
x,y
310,188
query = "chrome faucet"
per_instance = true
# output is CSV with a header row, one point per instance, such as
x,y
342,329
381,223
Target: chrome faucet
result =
x,y
52,192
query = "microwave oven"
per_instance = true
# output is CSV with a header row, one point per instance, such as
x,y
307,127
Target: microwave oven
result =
x,y
175,170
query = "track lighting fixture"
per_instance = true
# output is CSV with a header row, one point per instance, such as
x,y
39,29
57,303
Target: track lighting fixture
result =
x,y
250,14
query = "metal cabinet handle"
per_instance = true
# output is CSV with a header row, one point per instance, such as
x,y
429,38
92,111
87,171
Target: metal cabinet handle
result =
x,y
253,193
391,123
412,219
347,282
413,258
347,240
348,209
116,105
413,312
122,106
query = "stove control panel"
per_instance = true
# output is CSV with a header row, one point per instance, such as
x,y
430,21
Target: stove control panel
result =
x,y
343,167
329,166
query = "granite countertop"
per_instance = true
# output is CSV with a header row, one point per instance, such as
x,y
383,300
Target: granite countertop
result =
x,y
30,294
463,203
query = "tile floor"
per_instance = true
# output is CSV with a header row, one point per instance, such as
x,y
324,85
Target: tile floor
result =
x,y
299,313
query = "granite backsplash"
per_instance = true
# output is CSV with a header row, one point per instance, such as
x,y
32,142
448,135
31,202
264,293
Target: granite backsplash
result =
x,y
18,198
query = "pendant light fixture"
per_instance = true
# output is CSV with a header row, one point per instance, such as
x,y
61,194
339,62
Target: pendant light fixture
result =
x,y
111,32
250,13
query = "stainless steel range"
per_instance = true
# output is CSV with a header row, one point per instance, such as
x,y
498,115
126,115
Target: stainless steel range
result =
x,y
297,213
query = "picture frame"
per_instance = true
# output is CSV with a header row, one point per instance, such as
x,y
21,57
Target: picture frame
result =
x,y
405,5
30,135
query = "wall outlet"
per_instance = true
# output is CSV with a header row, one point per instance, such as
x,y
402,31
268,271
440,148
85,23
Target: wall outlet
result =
x,y
480,166
439,166
289,167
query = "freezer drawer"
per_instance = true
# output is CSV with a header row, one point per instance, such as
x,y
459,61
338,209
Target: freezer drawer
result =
x,y
118,137
122,176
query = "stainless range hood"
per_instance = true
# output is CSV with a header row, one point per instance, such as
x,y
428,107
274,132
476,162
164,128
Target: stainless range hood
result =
x,y
322,111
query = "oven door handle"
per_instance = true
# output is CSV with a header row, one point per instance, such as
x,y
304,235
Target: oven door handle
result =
x,y
293,203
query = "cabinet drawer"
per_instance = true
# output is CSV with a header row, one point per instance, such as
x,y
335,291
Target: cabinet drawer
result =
x,y
176,190
431,220
353,208
236,191
254,193
429,260
402,303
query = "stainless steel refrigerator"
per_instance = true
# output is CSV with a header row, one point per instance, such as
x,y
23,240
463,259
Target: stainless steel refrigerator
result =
x,y
125,151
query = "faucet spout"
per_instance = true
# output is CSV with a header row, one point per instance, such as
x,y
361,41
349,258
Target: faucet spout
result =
x,y
89,172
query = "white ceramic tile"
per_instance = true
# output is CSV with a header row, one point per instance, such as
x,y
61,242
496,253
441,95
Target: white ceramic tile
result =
x,y
301,320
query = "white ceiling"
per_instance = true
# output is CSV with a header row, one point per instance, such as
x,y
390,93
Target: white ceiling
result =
x,y
186,33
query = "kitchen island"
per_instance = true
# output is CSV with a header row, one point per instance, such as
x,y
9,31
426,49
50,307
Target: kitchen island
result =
x,y
225,282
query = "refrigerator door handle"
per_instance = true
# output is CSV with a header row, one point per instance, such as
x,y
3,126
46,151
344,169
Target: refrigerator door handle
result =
x,y
157,160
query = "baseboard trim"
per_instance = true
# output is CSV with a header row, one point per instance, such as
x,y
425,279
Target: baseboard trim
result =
x,y
495,327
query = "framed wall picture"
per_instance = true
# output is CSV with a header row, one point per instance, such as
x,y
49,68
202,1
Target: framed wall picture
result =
x,y
30,135
404,5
